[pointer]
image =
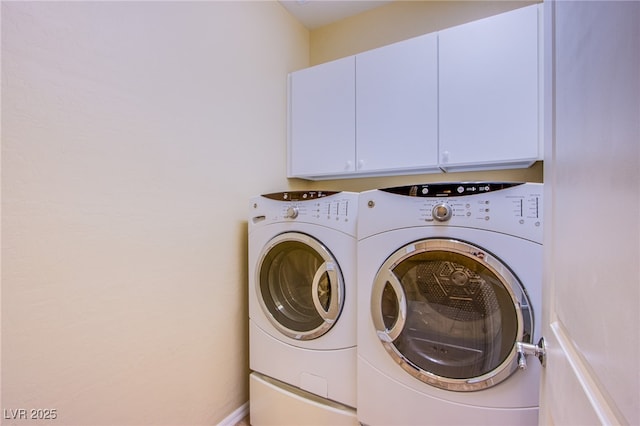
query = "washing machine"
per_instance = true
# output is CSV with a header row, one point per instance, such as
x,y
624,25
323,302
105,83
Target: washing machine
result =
x,y
449,293
302,307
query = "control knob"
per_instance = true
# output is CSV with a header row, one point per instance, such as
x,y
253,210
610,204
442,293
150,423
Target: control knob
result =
x,y
442,212
292,212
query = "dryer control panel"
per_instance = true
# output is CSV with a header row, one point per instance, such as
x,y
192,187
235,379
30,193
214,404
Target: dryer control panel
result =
x,y
334,209
510,208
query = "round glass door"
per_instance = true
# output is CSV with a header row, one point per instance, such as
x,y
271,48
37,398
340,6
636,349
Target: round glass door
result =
x,y
300,286
451,314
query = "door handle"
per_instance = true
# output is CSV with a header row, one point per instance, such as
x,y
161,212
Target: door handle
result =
x,y
389,334
524,349
330,314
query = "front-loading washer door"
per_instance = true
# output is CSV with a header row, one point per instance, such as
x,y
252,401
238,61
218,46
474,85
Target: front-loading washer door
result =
x,y
451,314
299,286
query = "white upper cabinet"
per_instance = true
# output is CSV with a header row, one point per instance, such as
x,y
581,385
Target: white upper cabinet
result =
x,y
370,114
465,98
397,107
489,92
322,120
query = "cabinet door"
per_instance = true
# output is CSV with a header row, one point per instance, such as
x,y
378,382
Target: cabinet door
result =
x,y
322,119
397,106
489,92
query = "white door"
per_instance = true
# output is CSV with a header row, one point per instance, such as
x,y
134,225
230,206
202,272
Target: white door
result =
x,y
592,228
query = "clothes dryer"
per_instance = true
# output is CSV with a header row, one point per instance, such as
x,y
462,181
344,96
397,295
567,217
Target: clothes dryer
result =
x,y
302,306
449,293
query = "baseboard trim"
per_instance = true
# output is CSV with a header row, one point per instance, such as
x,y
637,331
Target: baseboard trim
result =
x,y
237,415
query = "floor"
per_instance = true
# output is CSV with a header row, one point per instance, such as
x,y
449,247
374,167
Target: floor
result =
x,y
243,422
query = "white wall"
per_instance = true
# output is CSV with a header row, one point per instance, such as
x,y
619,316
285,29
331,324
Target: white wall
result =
x,y
592,214
132,135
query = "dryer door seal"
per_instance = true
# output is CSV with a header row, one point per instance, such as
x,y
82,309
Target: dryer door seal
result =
x,y
451,314
299,285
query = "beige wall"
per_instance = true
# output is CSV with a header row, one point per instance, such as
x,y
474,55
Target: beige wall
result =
x,y
398,21
391,23
133,134
531,174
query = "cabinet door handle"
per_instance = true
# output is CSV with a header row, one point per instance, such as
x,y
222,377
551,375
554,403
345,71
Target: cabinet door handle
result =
x,y
360,164
348,166
445,157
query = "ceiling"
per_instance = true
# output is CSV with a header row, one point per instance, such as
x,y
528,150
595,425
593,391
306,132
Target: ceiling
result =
x,y
317,13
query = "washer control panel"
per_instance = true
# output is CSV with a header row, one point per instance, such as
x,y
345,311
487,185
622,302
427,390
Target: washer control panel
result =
x,y
512,208
335,209
298,195
482,208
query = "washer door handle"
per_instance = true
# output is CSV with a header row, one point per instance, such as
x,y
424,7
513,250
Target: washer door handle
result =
x,y
330,314
524,349
388,335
